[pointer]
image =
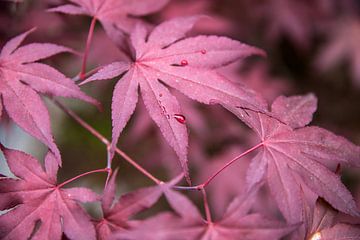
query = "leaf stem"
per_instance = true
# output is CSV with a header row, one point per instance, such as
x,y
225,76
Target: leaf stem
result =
x,y
87,47
203,185
206,206
82,175
106,142
230,163
85,75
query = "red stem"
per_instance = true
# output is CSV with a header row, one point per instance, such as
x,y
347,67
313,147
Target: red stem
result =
x,y
82,175
106,142
87,74
203,185
108,176
206,206
87,48
230,163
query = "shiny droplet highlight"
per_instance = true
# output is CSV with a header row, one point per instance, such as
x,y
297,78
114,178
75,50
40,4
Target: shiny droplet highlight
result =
x,y
180,118
184,62
203,51
316,236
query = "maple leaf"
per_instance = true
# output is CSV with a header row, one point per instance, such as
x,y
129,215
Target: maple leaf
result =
x,y
259,78
38,199
164,57
340,232
116,215
340,47
293,156
113,13
21,79
288,18
222,191
321,222
235,224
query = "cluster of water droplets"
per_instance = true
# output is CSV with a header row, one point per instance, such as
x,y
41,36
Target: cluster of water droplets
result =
x,y
185,62
178,117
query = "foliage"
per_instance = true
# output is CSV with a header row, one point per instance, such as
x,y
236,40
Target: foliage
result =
x,y
286,185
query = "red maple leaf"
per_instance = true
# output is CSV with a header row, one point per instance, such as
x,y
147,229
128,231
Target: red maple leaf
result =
x,y
164,57
43,209
321,222
21,79
292,156
116,214
113,13
236,223
340,47
289,18
339,231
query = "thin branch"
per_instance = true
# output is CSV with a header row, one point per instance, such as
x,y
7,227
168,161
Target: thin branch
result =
x,y
82,175
87,48
106,142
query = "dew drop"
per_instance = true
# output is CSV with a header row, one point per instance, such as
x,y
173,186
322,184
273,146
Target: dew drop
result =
x,y
160,95
184,62
203,51
167,116
180,118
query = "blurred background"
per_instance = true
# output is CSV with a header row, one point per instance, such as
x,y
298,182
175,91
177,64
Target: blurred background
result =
x,y
311,45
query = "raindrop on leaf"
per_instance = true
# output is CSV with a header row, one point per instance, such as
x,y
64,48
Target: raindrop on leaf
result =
x,y
184,62
180,118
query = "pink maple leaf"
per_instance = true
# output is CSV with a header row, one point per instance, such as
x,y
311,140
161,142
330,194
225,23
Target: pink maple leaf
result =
x,y
116,214
222,190
118,14
43,209
341,47
292,156
164,57
321,222
236,223
21,79
340,231
289,18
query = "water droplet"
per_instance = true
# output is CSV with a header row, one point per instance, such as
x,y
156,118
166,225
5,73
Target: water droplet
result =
x,y
160,95
184,62
180,118
167,116
203,51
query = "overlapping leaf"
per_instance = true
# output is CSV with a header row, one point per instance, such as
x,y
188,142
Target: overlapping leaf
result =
x,y
21,79
341,48
289,18
292,155
116,215
236,223
113,13
164,57
42,209
321,222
